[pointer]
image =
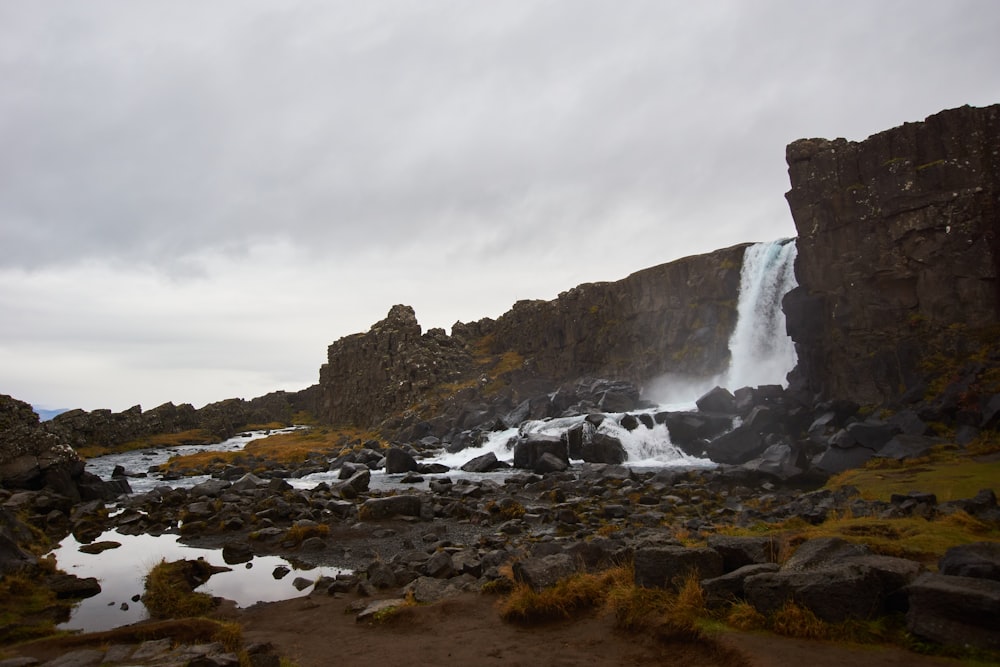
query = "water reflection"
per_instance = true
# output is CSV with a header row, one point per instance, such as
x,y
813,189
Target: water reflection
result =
x,y
121,572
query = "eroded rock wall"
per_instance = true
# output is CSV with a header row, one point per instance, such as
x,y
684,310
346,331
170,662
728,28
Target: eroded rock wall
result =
x,y
897,251
675,317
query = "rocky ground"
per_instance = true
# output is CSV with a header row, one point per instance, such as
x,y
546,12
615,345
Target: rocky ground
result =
x,y
454,539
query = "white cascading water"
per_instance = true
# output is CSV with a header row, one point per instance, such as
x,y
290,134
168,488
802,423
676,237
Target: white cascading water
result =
x,y
761,351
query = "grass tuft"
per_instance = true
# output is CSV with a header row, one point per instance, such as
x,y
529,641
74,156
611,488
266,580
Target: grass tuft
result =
x,y
170,594
793,620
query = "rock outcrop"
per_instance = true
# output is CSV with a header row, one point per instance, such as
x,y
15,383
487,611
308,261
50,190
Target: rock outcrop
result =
x,y
32,458
676,317
897,253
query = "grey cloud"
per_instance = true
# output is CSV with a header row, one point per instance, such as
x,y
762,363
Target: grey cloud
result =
x,y
453,155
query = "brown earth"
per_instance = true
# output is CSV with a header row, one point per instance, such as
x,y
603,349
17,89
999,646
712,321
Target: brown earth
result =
x,y
318,631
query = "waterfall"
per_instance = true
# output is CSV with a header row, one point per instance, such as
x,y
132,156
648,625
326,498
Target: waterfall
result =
x,y
761,351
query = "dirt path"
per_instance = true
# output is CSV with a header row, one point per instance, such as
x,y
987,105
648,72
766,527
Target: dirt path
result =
x,y
316,631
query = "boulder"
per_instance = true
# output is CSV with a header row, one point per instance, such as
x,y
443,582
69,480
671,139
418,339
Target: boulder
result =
x,y
872,434
835,592
528,450
603,448
738,446
979,559
428,589
904,446
377,509
236,552
718,399
483,463
68,586
668,566
782,461
398,461
956,611
738,552
822,551
728,588
837,459
539,573
549,462
687,427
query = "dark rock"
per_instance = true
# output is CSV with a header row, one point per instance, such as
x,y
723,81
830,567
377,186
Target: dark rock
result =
x,y
822,551
871,434
529,450
718,399
301,583
98,547
668,566
738,446
381,575
440,565
539,573
956,611
728,588
629,422
549,462
836,459
979,559
484,463
686,427
603,448
68,586
782,461
908,446
376,509
834,592
738,552
236,552
398,461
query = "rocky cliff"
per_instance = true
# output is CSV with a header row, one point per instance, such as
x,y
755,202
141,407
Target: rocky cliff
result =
x,y
676,317
897,255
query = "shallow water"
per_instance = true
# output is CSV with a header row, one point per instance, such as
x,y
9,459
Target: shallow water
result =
x,y
121,572
140,461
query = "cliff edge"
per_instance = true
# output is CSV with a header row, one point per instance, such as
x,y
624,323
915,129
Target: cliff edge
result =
x,y
897,255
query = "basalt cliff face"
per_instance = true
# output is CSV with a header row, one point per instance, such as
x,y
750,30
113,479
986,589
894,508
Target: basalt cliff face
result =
x,y
676,317
897,255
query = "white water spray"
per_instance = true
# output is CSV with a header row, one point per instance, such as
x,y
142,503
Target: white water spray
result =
x,y
761,351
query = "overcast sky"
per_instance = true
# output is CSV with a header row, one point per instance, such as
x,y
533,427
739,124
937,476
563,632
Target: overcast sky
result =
x,y
196,198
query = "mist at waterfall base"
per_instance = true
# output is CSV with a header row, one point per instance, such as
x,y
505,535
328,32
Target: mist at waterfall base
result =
x,y
760,353
760,350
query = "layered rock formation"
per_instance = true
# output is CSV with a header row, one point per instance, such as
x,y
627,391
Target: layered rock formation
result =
x,y
897,253
676,317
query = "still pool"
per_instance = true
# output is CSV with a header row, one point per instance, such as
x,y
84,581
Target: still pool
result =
x,y
121,572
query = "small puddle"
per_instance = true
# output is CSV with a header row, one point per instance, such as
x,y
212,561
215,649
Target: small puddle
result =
x,y
121,572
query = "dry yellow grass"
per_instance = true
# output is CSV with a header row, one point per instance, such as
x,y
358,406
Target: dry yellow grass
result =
x,y
293,447
190,437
